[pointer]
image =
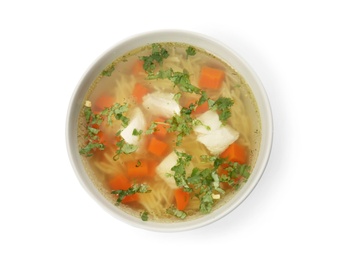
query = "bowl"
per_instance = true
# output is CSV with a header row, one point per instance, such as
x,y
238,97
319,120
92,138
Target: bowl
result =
x,y
212,46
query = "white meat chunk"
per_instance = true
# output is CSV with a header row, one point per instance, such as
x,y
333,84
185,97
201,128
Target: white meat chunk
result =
x,y
210,122
218,140
161,104
165,172
164,169
137,122
215,136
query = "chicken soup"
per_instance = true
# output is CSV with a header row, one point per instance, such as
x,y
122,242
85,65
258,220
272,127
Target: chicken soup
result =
x,y
169,132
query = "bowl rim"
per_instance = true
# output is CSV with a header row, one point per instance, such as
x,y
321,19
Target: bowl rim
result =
x,y
213,46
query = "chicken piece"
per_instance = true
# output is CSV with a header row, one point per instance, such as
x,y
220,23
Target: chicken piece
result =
x,y
215,136
210,122
161,104
137,122
164,169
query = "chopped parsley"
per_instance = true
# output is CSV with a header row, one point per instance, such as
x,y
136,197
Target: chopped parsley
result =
x,y
92,138
144,215
235,173
179,170
88,150
180,79
108,71
125,148
158,55
135,188
190,51
205,183
93,121
181,124
138,164
117,111
222,105
175,212
151,129
137,132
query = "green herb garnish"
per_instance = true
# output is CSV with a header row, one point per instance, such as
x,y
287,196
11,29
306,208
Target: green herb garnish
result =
x,y
88,113
137,132
108,71
138,163
190,51
180,79
175,212
144,215
235,173
92,138
205,183
222,105
151,129
157,57
135,188
90,147
124,148
179,170
117,111
181,124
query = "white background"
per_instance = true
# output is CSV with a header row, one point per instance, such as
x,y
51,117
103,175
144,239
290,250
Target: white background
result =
x,y
294,47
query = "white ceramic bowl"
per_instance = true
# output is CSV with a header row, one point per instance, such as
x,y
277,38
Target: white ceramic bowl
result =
x,y
212,46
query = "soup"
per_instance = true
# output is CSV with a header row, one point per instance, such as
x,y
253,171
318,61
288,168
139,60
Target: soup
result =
x,y
169,132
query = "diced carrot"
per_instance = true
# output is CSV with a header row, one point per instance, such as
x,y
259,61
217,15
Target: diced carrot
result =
x,y
121,182
161,129
140,168
138,67
235,153
104,138
225,185
103,102
139,91
182,198
130,198
211,78
157,147
202,108
96,126
199,109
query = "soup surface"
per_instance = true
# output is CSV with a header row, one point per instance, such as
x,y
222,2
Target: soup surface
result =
x,y
168,132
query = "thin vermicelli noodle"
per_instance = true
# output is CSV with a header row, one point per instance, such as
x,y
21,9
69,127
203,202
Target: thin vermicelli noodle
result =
x,y
106,164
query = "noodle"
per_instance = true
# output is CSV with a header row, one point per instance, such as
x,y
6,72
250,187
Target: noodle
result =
x,y
157,201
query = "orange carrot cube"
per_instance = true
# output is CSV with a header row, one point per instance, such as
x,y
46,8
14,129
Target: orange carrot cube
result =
x,y
211,78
